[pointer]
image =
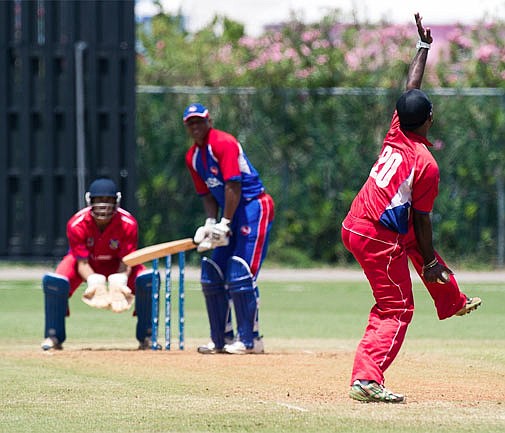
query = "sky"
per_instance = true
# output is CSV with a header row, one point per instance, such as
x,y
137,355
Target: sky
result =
x,y
255,14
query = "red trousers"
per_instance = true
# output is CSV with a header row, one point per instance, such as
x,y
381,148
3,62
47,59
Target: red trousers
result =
x,y
383,255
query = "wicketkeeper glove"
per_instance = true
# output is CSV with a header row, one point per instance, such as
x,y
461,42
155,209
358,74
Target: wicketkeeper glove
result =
x,y
121,298
96,294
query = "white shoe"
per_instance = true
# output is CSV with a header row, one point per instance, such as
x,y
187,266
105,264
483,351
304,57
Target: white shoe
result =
x,y
238,348
51,343
210,347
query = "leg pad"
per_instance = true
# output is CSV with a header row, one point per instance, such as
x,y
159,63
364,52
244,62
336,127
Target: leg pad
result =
x,y
56,291
241,286
143,304
217,302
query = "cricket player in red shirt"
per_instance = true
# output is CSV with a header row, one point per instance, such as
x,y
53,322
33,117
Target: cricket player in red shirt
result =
x,y
99,236
388,223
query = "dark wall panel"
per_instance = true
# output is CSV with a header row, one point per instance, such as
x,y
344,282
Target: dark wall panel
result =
x,y
38,162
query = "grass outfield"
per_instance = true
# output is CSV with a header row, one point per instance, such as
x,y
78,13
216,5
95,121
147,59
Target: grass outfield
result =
x,y
452,371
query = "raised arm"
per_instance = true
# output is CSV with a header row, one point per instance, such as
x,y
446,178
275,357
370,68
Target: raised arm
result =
x,y
416,69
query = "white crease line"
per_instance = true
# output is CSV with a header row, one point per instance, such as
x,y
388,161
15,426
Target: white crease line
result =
x,y
292,406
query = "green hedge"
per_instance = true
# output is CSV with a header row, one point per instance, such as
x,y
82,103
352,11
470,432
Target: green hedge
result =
x,y
314,149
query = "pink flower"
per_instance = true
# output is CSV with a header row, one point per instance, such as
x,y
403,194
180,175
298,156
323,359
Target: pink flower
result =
x,y
277,36
486,52
353,60
255,64
438,145
305,50
291,54
248,42
321,43
458,38
452,78
304,73
275,56
224,54
310,35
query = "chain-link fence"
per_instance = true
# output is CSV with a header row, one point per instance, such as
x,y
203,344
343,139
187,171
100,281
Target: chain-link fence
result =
x,y
314,149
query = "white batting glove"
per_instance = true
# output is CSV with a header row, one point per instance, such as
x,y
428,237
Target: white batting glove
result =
x,y
221,233
96,294
203,235
204,231
205,245
121,298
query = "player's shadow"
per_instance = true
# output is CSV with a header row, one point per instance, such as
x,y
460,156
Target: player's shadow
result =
x,y
109,349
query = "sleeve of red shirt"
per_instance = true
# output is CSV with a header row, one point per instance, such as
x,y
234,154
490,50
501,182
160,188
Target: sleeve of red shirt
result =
x,y
200,186
77,241
395,121
226,149
425,188
130,242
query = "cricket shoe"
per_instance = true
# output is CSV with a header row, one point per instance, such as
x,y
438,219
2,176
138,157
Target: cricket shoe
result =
x,y
471,304
210,347
147,344
373,392
51,343
238,348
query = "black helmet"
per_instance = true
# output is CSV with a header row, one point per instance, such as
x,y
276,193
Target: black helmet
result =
x,y
413,109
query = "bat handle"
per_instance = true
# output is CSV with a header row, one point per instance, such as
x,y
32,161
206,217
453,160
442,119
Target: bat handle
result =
x,y
204,245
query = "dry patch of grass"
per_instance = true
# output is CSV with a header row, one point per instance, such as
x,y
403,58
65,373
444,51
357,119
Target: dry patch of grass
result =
x,y
273,392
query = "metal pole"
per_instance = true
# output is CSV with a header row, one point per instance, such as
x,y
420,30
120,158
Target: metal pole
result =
x,y
500,205
79,122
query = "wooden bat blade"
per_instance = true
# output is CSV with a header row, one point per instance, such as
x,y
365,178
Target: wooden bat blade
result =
x,y
159,250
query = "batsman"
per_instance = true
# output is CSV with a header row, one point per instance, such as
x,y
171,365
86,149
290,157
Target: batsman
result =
x,y
99,236
231,190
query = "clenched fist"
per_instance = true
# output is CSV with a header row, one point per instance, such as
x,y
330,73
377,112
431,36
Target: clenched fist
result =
x,y
221,233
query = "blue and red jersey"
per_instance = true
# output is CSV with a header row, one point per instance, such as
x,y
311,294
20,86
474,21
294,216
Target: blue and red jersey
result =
x,y
222,160
405,176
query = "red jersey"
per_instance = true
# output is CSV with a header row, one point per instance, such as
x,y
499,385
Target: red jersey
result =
x,y
405,175
104,250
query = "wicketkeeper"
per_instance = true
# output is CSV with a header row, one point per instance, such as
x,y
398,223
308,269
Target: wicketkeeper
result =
x,y
239,217
98,236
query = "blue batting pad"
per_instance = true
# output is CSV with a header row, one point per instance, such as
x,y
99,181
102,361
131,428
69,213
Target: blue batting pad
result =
x,y
217,302
56,290
241,285
143,304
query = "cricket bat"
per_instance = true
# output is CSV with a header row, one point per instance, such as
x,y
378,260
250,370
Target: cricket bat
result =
x,y
159,250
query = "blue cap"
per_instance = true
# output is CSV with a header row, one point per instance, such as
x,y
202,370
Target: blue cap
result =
x,y
195,110
102,187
